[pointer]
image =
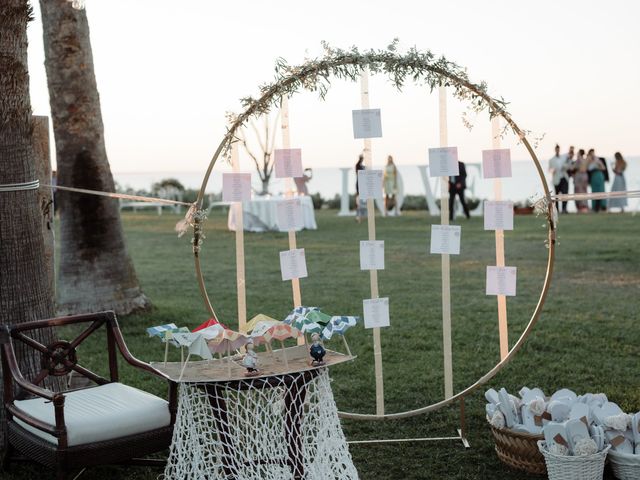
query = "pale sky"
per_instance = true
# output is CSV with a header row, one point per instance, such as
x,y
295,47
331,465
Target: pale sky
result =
x,y
168,71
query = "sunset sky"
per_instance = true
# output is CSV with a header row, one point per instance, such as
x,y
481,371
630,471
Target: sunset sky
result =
x,y
168,71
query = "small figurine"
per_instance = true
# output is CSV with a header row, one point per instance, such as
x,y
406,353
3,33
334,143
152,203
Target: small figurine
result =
x,y
317,351
250,361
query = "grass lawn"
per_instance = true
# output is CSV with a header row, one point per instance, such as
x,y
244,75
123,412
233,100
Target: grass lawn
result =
x,y
588,338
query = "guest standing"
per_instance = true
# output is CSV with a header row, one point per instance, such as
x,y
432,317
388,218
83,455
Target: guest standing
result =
x,y
457,186
596,180
361,207
580,180
390,184
559,168
619,183
301,182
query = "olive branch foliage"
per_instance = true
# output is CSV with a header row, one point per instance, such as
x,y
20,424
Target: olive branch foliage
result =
x,y
420,67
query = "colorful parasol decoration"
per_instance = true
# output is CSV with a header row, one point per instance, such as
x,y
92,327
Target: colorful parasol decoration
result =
x,y
298,311
339,325
227,341
165,333
209,323
267,331
261,317
212,332
196,344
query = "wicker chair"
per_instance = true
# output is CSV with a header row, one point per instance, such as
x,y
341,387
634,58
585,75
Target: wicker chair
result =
x,y
102,424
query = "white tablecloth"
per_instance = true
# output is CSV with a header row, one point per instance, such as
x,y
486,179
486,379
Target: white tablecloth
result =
x,y
260,214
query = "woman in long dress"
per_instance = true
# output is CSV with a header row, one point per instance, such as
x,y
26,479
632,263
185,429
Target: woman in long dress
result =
x,y
361,206
596,180
619,183
580,180
390,184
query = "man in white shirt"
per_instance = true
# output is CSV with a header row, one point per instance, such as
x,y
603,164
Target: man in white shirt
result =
x,y
559,167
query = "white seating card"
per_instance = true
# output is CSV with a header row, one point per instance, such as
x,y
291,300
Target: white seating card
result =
x,y
293,264
372,255
367,123
370,184
445,239
501,281
288,162
443,162
376,312
289,214
498,215
236,187
496,163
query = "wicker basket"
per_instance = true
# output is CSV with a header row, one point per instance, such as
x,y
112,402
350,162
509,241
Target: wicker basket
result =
x,y
519,450
625,465
566,467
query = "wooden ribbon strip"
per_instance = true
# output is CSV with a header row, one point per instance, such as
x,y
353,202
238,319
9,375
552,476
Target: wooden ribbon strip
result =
x,y
446,273
373,274
500,257
240,271
286,144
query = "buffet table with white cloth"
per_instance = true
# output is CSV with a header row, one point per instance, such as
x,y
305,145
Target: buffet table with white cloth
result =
x,y
261,214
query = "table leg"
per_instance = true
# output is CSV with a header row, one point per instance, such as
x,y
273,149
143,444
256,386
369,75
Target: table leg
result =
x,y
221,418
294,405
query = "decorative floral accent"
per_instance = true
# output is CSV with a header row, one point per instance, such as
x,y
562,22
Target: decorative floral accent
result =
x,y
617,422
585,446
557,449
497,421
537,406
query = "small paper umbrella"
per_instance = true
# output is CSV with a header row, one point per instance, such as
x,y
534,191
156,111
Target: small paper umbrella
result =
x,y
261,317
228,340
211,332
196,344
165,334
212,321
266,332
339,325
296,312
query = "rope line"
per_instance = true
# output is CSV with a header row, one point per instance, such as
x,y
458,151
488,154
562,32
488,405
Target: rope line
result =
x,y
118,195
19,187
596,195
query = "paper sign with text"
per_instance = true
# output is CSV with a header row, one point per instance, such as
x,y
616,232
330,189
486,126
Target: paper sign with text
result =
x,y
496,163
498,215
293,264
236,187
443,162
370,184
289,214
501,281
288,162
445,239
367,123
372,255
376,312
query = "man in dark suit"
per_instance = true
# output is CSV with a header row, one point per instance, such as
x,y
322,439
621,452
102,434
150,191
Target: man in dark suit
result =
x,y
457,185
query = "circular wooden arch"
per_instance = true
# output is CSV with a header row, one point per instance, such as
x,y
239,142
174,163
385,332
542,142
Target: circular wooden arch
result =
x,y
294,81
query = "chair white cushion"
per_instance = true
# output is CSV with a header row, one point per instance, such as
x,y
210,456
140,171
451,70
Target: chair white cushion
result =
x,y
100,413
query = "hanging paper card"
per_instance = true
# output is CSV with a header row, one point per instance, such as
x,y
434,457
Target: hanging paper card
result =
x,y
236,187
445,239
288,162
376,312
367,123
496,163
293,264
370,184
498,215
443,162
289,215
501,281
372,255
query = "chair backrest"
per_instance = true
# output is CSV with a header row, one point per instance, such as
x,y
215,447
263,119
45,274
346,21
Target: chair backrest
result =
x,y
59,357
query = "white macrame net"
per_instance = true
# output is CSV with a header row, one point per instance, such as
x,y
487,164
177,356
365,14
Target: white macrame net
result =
x,y
275,428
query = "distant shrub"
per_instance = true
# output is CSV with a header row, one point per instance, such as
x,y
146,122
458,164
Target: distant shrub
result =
x,y
317,200
414,202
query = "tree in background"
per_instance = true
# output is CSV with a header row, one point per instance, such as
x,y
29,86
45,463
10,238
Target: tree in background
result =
x,y
25,292
96,272
265,139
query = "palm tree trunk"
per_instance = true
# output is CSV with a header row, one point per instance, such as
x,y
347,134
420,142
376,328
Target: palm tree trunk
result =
x,y
96,272
25,292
